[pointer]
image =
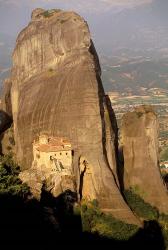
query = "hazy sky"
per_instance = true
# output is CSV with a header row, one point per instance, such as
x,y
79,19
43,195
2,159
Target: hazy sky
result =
x,y
93,3
85,2
111,21
14,14
80,5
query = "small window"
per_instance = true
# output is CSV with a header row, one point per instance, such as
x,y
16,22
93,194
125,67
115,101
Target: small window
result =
x,y
66,153
38,156
60,153
55,154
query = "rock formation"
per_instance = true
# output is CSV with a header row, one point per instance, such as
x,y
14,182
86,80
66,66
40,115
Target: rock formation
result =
x,y
141,157
56,89
6,98
8,142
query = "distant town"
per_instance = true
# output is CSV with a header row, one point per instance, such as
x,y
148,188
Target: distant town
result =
x,y
158,98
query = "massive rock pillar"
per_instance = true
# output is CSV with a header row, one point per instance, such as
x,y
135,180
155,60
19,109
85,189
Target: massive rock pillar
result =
x,y
56,89
141,157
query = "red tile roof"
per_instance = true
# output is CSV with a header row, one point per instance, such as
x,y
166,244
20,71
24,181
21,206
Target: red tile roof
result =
x,y
54,144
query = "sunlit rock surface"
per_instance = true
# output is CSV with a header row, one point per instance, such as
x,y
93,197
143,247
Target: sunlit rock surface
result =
x,y
141,157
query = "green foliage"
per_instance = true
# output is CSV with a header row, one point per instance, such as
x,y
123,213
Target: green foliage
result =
x,y
109,227
139,191
96,222
146,211
9,180
164,154
89,214
139,206
46,14
49,13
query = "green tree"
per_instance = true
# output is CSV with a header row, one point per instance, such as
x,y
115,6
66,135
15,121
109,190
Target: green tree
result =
x,y
9,178
106,226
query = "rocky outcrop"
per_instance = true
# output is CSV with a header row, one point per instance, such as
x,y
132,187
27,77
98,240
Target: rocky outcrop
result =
x,y
6,98
8,142
141,157
56,89
52,183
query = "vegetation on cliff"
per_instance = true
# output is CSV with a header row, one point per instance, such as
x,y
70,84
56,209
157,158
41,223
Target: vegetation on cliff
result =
x,y
61,219
10,184
96,222
139,206
147,212
164,154
49,13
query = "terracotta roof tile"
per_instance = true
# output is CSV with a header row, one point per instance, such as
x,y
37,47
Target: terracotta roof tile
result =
x,y
54,144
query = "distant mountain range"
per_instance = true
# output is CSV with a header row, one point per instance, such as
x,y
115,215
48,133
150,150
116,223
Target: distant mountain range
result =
x,y
133,48
134,38
134,75
143,27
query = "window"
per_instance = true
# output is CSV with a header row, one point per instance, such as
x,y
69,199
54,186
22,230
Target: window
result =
x,y
38,156
51,158
66,153
60,153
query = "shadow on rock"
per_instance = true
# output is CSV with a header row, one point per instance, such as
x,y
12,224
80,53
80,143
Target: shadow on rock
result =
x,y
5,123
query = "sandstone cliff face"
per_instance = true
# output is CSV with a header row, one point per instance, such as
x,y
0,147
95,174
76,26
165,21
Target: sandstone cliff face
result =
x,y
141,157
56,89
6,98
